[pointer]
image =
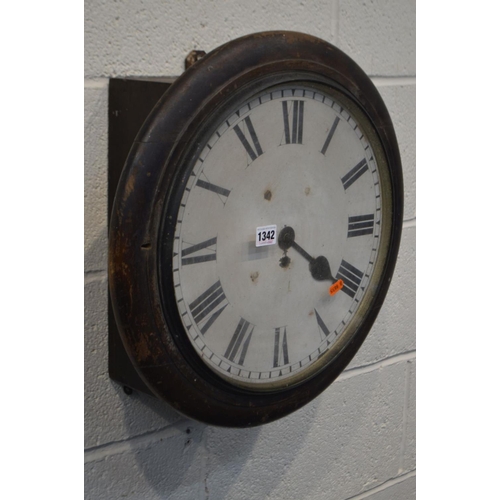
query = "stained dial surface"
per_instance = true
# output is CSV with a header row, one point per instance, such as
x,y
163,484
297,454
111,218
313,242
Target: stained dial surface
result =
x,y
258,306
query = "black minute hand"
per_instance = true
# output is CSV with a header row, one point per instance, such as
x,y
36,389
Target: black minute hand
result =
x,y
319,266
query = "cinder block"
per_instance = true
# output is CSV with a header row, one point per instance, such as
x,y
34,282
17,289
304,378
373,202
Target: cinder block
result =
x,y
394,329
379,35
153,37
96,179
110,414
410,445
401,103
167,465
343,443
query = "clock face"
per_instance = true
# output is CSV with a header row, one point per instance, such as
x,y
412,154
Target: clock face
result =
x,y
282,231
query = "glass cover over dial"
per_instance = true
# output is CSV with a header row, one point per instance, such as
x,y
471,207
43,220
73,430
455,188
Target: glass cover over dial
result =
x,y
280,235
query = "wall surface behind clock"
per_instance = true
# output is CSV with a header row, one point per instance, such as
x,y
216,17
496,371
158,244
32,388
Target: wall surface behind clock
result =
x,y
357,440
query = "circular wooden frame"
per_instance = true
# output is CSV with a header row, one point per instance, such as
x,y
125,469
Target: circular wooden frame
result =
x,y
149,191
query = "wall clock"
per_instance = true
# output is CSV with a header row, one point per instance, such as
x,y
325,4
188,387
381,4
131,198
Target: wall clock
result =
x,y
255,229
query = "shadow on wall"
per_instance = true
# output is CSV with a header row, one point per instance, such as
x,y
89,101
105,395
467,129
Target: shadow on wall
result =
x,y
172,457
192,460
344,442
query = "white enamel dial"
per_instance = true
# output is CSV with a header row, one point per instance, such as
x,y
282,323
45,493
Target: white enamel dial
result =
x,y
256,311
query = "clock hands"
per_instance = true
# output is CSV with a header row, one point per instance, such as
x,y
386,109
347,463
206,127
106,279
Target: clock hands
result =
x,y
319,266
286,239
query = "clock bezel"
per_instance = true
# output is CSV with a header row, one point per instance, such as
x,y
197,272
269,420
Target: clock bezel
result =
x,y
152,181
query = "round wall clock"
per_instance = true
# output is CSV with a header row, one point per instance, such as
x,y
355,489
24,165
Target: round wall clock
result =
x,y
255,229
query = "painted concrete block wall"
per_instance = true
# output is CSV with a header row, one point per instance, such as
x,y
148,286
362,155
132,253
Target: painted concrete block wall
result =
x,y
355,441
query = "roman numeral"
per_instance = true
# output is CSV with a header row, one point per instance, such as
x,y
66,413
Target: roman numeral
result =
x,y
330,135
239,342
208,303
351,278
253,153
360,225
355,173
186,261
280,347
321,324
220,191
297,122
